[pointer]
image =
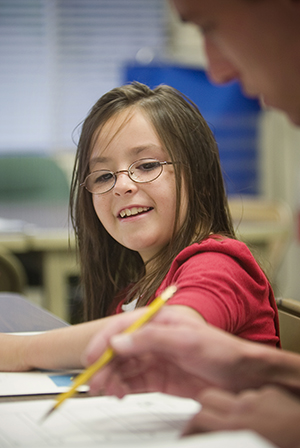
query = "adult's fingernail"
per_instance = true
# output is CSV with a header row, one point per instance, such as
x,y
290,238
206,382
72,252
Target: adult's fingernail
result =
x,y
121,342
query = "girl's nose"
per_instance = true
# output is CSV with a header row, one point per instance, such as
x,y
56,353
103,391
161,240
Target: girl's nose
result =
x,y
124,184
220,69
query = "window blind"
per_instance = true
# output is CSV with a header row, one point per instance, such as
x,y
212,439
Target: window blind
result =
x,y
57,57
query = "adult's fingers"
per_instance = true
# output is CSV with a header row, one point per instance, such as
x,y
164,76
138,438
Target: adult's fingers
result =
x,y
206,421
217,399
118,378
216,405
101,340
179,341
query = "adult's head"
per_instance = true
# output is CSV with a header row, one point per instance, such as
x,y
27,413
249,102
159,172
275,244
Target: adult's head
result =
x,y
256,42
186,139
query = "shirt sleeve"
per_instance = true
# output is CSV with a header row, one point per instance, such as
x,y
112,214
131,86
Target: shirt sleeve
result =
x,y
218,288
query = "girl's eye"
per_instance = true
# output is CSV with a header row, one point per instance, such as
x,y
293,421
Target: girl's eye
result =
x,y
148,166
103,178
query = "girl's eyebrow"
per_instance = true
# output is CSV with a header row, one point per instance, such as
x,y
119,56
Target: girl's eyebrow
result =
x,y
136,151
95,160
98,159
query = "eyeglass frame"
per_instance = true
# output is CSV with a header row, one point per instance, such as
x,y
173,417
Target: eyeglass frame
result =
x,y
114,173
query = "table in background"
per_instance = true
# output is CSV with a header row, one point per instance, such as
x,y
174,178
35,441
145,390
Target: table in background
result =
x,y
46,230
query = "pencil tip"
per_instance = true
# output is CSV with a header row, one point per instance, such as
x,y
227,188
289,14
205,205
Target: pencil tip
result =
x,y
47,415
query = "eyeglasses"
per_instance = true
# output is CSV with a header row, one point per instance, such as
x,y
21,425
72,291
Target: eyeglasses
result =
x,y
141,171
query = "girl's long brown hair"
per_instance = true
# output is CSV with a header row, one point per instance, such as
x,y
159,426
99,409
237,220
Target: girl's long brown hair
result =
x,y
107,267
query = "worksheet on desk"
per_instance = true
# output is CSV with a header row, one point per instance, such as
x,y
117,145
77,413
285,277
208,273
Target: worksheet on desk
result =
x,y
142,420
80,422
37,382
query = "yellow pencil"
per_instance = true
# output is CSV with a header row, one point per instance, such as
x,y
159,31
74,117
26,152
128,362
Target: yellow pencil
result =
x,y
109,352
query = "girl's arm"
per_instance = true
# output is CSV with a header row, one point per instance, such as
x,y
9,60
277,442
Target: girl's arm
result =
x,y
55,349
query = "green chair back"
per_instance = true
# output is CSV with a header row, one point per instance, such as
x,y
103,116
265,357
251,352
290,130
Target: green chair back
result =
x,y
32,178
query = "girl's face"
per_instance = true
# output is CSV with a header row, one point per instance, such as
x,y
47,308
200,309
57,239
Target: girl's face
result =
x,y
138,216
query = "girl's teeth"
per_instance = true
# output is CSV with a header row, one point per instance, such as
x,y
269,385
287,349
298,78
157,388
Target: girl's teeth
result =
x,y
133,211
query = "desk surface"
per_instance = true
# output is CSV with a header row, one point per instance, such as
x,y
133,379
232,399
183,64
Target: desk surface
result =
x,y
17,314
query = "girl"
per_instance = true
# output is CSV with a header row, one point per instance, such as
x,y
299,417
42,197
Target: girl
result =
x,y
149,209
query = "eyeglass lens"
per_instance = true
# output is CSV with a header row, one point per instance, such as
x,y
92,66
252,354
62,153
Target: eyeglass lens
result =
x,y
141,171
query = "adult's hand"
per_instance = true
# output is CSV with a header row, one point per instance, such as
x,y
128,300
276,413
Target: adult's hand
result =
x,y
176,353
271,412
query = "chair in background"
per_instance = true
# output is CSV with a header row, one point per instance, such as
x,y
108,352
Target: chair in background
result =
x,y
31,185
13,277
266,227
289,321
32,178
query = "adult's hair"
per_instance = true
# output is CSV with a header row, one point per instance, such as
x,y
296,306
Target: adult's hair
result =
x,y
107,267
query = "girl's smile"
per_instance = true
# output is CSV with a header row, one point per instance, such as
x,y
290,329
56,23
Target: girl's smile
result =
x,y
134,211
140,216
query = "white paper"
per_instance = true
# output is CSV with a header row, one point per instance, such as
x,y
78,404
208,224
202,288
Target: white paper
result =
x,y
142,420
37,382
94,420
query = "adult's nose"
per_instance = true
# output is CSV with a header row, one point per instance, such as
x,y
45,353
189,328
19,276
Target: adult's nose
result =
x,y
220,70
